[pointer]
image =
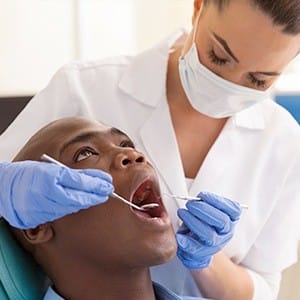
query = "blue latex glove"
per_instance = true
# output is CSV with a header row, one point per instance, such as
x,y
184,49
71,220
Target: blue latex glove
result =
x,y
33,193
207,226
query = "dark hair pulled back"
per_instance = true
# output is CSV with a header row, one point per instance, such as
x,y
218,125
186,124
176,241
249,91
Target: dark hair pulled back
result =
x,y
285,13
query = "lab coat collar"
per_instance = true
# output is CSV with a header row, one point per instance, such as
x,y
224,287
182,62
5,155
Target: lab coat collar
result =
x,y
149,87
251,118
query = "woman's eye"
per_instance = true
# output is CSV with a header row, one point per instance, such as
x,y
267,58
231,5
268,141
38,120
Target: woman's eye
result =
x,y
127,143
257,83
216,59
84,154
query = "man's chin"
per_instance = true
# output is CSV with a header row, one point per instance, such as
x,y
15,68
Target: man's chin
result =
x,y
165,250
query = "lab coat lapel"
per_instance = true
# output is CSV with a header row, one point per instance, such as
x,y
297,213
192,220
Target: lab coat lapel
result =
x,y
158,138
216,165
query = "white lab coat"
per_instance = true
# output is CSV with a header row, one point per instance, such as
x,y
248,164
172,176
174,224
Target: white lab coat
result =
x,y
255,159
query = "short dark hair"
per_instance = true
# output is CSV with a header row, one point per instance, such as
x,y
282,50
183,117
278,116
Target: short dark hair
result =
x,y
285,13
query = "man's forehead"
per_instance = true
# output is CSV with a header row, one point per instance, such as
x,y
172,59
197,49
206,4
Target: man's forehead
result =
x,y
92,131
52,137
88,133
66,129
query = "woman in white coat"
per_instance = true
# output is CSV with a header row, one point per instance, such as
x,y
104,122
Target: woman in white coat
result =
x,y
197,105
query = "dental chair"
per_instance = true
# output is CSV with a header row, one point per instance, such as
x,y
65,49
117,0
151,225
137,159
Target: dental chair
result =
x,y
20,277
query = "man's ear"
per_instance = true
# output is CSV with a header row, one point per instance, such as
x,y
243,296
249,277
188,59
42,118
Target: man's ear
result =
x,y
197,8
41,234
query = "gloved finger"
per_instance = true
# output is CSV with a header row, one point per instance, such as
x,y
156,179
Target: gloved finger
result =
x,y
69,198
77,180
52,212
183,229
229,207
66,202
97,173
192,263
210,215
195,248
75,198
206,233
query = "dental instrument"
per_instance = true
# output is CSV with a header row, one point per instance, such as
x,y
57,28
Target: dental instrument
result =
x,y
48,158
243,206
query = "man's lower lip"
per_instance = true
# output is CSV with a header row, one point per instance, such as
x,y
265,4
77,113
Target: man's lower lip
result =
x,y
162,220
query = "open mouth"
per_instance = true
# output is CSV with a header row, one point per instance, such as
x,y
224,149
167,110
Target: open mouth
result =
x,y
146,193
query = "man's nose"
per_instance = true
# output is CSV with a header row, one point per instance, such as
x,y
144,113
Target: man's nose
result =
x,y
128,157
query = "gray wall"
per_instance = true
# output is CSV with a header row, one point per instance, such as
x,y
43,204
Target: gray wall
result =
x,y
10,108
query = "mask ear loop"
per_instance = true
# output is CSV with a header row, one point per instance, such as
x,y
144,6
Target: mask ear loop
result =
x,y
195,30
197,25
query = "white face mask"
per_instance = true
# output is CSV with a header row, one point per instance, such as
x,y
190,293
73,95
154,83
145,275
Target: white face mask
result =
x,y
211,94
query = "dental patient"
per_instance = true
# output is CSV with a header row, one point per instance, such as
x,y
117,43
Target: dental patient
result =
x,y
105,251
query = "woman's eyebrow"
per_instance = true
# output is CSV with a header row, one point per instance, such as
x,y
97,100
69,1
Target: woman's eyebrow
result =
x,y
230,53
225,46
267,73
79,138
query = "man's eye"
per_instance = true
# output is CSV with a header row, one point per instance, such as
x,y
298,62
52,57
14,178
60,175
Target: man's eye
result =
x,y
127,143
83,154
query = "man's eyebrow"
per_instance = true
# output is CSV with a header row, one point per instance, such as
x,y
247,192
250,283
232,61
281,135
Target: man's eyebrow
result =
x,y
117,131
225,46
79,138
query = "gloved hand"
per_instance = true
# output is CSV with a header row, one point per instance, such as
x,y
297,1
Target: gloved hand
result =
x,y
207,226
32,193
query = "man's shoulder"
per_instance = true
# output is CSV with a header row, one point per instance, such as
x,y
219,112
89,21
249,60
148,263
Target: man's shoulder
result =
x,y
52,295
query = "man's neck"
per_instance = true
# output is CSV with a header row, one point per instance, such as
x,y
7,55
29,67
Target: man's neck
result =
x,y
74,281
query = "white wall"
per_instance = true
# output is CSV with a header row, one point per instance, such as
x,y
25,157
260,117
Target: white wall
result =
x,y
290,289
116,27
289,82
156,19
106,28
36,37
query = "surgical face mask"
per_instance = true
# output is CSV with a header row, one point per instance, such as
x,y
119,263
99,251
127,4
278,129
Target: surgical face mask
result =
x,y
211,94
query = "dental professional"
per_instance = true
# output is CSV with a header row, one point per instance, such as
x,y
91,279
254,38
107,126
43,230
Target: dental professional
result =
x,y
198,105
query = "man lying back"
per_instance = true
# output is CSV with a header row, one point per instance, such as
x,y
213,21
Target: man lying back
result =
x,y
105,251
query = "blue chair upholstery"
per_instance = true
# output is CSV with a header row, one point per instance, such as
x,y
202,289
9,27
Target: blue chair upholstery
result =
x,y
290,103
3,295
20,277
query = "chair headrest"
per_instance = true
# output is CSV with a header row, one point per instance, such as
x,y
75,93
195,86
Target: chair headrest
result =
x,y
20,276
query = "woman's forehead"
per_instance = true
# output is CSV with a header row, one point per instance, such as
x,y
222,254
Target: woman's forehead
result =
x,y
256,42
